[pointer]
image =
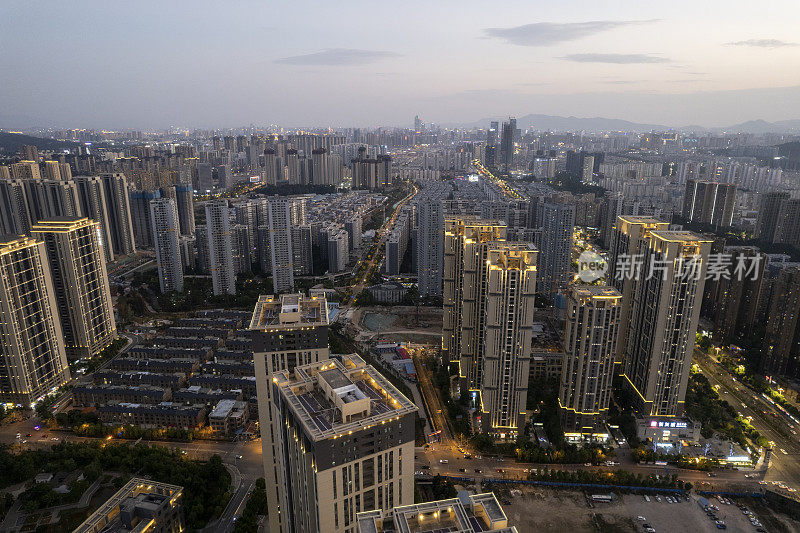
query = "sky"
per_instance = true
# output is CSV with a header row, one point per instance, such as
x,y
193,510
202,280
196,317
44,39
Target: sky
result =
x,y
147,64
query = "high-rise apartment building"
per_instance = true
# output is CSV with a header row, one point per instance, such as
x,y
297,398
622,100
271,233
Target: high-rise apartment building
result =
x,y
320,171
736,297
287,331
285,212
590,338
708,202
94,205
80,282
430,247
780,355
119,213
140,216
220,247
464,237
184,199
507,143
505,302
345,441
15,218
28,152
26,170
664,313
32,358
630,237
769,209
166,239
558,223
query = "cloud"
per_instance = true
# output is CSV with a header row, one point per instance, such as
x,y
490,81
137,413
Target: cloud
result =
x,y
762,43
338,56
621,59
546,33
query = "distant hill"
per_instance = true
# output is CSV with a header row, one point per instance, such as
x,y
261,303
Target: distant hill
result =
x,y
10,143
558,123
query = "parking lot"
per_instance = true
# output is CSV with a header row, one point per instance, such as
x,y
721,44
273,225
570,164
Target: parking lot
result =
x,y
540,509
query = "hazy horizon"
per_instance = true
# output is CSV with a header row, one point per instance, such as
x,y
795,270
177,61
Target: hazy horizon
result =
x,y
150,65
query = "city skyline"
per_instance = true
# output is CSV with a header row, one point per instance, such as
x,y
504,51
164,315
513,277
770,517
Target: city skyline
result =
x,y
668,65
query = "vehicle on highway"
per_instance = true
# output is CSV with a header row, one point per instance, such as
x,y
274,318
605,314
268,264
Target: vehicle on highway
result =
x,y
478,470
462,469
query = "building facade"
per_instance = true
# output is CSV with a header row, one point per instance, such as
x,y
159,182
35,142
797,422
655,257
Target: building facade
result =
x,y
32,357
590,338
166,238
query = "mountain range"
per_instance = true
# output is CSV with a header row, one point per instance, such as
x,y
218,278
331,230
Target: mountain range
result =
x,y
557,123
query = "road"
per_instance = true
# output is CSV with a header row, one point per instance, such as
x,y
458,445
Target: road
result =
x,y
431,397
383,232
483,171
429,462
785,463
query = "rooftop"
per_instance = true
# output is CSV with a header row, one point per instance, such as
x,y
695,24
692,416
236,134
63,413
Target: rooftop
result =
x,y
289,311
137,493
465,514
333,397
679,236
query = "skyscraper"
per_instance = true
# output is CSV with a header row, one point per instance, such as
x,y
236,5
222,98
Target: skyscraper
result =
x,y
630,237
285,212
94,205
664,313
320,171
287,331
769,208
184,199
558,223
119,213
220,247
15,218
140,215
166,239
781,352
345,441
590,338
26,170
464,237
29,153
430,247
80,282
32,357
505,310
507,143
708,202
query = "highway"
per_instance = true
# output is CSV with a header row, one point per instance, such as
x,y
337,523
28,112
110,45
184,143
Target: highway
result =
x,y
785,463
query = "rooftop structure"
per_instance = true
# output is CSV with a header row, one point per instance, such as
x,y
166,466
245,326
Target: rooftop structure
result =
x,y
288,311
140,506
466,514
332,398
